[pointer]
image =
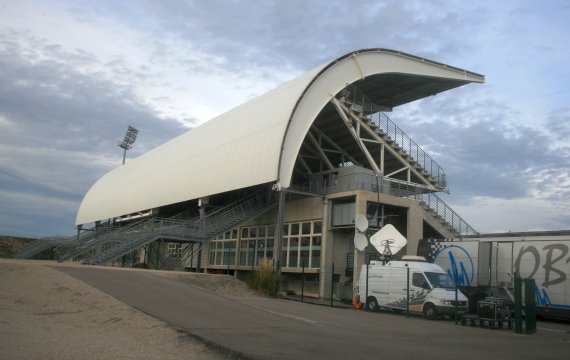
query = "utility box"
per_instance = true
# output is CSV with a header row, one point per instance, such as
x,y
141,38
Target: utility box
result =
x,y
493,308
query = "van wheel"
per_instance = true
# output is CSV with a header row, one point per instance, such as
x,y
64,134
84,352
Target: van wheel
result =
x,y
372,304
430,312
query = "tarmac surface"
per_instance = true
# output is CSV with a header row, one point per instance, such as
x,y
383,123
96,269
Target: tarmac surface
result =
x,y
70,311
253,327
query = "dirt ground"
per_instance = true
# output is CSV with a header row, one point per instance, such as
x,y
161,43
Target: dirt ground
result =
x,y
45,314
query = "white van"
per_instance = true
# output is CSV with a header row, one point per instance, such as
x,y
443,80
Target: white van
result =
x,y
431,290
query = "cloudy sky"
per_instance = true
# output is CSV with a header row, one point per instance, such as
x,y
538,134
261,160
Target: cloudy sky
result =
x,y
75,74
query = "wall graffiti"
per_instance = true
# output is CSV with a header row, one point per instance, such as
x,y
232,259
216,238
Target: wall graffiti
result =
x,y
530,255
459,264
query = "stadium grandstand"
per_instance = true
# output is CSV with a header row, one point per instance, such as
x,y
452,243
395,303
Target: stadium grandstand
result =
x,y
282,177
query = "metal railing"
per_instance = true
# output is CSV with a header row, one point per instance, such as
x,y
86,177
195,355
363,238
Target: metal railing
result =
x,y
361,181
446,213
138,234
371,111
373,183
40,245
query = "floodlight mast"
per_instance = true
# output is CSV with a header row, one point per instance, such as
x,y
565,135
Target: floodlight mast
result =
x,y
128,141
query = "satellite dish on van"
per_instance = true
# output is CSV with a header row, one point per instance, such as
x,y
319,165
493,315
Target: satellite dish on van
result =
x,y
361,223
388,240
360,241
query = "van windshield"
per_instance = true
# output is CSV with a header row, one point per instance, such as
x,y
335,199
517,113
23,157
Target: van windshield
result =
x,y
440,280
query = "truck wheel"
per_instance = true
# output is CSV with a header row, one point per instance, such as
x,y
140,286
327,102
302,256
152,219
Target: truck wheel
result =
x,y
430,312
372,304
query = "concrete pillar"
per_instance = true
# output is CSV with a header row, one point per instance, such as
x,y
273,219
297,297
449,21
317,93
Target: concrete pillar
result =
x,y
415,228
278,240
327,253
359,258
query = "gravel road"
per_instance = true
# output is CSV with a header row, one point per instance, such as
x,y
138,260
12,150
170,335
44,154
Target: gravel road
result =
x,y
45,314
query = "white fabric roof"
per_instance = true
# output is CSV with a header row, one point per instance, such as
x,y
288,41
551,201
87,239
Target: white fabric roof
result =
x,y
252,144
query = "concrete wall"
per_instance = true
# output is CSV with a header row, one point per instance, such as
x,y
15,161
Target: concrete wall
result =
x,y
337,243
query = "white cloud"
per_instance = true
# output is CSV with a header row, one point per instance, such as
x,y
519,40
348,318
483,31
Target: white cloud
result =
x,y
75,74
525,214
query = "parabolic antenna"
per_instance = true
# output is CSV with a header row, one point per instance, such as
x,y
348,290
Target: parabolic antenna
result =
x,y
388,240
361,223
360,241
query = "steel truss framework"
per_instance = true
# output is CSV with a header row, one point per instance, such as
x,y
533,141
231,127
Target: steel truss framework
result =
x,y
319,146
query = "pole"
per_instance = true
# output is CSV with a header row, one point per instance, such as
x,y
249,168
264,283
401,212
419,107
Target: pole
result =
x,y
408,292
228,261
199,260
367,265
529,306
279,234
303,282
157,254
518,304
332,283
124,155
456,303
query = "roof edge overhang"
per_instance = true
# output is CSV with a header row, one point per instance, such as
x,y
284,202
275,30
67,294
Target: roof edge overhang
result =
x,y
346,70
267,130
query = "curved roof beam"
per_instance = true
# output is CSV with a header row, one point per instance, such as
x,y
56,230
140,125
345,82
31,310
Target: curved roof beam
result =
x,y
258,142
398,77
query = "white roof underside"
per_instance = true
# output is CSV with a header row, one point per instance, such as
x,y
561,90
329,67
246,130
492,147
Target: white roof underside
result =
x,y
254,143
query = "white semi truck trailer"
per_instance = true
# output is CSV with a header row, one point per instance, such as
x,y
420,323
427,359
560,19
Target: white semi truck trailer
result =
x,y
485,266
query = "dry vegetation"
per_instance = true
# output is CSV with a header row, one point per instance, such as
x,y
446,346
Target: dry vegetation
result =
x,y
9,245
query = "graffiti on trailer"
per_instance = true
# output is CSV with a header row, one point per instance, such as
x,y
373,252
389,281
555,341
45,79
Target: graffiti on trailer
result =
x,y
542,298
555,253
461,272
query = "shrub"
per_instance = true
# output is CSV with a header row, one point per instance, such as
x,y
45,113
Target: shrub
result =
x,y
265,278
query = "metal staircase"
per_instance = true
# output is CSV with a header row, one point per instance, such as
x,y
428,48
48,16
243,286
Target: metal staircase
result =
x,y
394,136
87,241
444,214
136,235
40,245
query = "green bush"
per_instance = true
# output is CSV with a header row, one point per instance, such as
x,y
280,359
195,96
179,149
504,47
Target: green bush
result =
x,y
265,278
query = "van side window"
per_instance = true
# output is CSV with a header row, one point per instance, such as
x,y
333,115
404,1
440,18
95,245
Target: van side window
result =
x,y
419,280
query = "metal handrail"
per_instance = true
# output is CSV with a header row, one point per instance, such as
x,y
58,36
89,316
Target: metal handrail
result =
x,y
370,182
372,112
146,231
97,238
361,181
446,213
38,245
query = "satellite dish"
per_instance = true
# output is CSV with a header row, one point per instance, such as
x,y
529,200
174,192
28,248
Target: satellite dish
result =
x,y
388,240
360,241
361,223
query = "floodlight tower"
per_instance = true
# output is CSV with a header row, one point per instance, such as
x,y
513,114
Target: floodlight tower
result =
x,y
128,141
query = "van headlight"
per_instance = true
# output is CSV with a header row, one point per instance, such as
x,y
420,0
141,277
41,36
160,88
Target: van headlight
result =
x,y
447,302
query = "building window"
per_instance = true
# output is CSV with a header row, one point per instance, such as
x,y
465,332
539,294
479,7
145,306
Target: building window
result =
x,y
302,244
174,249
223,248
256,244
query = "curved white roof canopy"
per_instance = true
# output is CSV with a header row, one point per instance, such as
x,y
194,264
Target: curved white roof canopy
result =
x,y
258,141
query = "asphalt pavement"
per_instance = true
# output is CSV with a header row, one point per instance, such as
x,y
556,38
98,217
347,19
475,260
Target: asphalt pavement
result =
x,y
265,328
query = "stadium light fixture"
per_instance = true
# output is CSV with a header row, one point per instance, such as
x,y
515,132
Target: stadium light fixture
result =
x,y
128,141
